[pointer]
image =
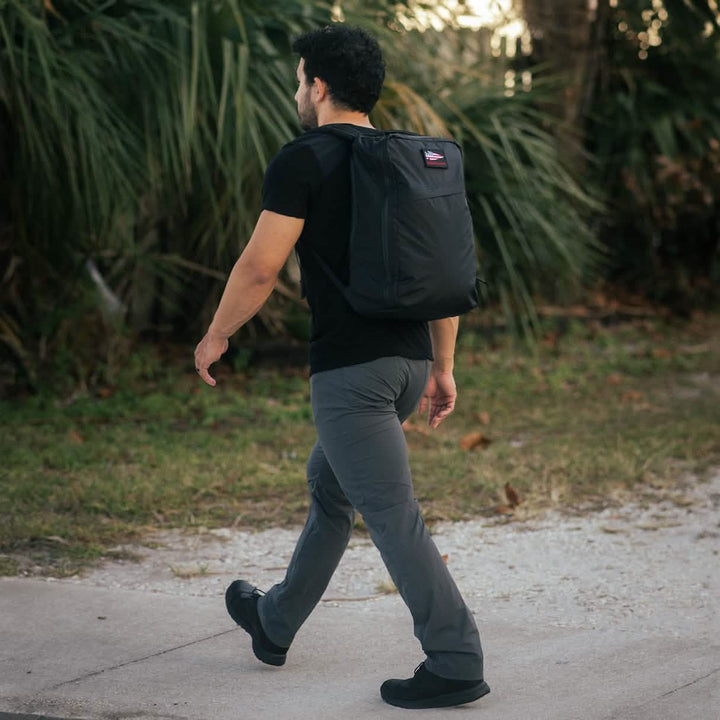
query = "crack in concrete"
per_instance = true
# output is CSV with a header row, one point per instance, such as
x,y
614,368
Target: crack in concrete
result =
x,y
137,660
692,682
619,714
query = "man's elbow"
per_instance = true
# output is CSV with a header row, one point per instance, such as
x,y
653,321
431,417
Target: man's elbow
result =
x,y
264,278
257,274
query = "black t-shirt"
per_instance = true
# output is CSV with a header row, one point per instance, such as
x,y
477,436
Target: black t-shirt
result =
x,y
310,178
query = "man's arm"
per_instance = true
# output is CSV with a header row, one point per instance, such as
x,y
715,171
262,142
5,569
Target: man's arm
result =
x,y
250,283
443,334
441,393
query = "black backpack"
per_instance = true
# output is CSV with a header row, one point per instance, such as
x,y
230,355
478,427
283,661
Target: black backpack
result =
x,y
412,252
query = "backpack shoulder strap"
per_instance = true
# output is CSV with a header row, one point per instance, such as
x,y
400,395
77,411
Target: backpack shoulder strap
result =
x,y
349,132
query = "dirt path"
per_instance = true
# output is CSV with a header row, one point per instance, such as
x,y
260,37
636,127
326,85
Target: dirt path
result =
x,y
643,568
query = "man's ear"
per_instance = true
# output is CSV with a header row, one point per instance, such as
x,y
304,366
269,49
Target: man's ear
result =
x,y
321,88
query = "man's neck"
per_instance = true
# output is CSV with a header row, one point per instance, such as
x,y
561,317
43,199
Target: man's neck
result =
x,y
349,118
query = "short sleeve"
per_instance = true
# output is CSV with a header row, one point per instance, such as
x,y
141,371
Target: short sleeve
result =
x,y
289,180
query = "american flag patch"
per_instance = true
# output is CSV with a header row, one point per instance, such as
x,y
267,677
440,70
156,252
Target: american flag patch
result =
x,y
433,158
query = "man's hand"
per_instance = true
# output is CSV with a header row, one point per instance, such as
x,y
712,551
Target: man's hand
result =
x,y
251,281
208,351
440,395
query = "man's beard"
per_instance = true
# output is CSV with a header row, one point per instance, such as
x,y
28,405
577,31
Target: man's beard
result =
x,y
308,116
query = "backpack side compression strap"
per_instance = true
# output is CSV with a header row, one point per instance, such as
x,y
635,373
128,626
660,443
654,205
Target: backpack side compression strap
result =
x,y
354,134
347,132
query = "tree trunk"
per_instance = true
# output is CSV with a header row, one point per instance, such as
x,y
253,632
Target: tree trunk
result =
x,y
567,39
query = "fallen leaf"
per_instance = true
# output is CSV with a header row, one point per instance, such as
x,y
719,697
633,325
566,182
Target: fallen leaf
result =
x,y
105,392
269,468
386,587
611,530
505,510
643,406
550,339
483,417
512,495
613,379
631,396
661,353
76,437
658,525
409,426
473,440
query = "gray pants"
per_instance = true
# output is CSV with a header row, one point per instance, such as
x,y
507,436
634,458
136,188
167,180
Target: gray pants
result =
x,y
361,462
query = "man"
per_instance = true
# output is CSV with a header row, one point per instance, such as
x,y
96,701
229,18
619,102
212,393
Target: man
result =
x,y
367,376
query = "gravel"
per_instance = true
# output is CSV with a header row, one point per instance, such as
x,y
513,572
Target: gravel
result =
x,y
649,568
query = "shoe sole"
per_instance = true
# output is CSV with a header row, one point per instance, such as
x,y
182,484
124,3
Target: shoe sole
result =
x,y
447,700
269,658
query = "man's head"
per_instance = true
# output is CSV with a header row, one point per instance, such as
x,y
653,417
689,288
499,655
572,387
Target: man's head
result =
x,y
339,65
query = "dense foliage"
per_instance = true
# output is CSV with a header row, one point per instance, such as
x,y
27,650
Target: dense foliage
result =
x,y
134,135
641,93
655,132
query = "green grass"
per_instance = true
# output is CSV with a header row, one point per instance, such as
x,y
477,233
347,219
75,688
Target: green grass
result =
x,y
582,420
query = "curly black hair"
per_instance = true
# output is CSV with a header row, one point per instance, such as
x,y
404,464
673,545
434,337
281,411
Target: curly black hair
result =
x,y
348,60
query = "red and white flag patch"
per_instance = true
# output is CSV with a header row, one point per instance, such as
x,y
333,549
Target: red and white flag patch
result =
x,y
435,159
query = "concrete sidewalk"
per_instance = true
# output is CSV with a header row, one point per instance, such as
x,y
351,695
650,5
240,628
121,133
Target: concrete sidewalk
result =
x,y
70,651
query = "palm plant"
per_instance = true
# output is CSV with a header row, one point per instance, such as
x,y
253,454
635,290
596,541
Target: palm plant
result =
x,y
532,216
135,138
136,135
69,169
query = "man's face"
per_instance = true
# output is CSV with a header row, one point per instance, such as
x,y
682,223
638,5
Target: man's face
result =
x,y
306,111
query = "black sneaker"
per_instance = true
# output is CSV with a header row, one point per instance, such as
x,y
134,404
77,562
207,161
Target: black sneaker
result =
x,y
427,690
241,600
